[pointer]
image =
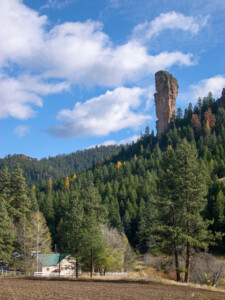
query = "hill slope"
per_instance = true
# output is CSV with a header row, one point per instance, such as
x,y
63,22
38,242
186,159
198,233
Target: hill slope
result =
x,y
55,167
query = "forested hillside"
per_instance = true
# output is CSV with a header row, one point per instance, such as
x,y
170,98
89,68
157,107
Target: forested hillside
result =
x,y
55,167
166,193
129,182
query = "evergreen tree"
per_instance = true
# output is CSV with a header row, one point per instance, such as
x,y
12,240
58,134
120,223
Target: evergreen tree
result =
x,y
33,200
20,200
94,216
74,236
5,189
182,191
7,236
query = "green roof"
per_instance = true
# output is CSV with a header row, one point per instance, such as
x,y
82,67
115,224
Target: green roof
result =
x,y
51,259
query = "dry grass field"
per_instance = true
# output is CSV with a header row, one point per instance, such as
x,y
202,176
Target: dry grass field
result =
x,y
28,289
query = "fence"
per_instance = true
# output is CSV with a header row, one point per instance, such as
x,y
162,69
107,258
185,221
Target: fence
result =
x,y
15,273
122,274
43,274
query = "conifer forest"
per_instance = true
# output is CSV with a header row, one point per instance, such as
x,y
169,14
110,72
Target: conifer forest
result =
x,y
164,194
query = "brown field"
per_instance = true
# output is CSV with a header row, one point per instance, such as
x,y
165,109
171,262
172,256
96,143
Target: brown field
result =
x,y
24,289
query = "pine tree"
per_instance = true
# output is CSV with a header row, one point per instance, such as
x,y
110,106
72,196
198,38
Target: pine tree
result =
x,y
94,216
182,191
33,200
5,189
74,236
7,236
20,200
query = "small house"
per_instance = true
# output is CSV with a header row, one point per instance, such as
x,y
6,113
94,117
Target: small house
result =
x,y
56,264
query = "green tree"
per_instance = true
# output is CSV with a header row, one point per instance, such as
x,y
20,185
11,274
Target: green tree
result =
x,y
5,189
74,236
20,200
94,216
182,191
33,200
7,236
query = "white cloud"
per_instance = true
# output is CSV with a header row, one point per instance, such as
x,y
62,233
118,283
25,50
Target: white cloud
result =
x,y
79,52
18,96
214,84
69,53
113,111
21,32
128,140
21,130
171,20
57,4
84,54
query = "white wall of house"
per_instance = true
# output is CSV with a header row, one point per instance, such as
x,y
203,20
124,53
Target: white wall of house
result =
x,y
66,267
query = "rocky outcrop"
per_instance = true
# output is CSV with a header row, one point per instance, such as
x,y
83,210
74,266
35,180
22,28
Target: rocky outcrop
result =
x,y
222,100
165,99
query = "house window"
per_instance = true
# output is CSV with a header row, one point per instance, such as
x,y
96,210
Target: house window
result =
x,y
47,269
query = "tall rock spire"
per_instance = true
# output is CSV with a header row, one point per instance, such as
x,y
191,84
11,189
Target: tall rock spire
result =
x,y
165,99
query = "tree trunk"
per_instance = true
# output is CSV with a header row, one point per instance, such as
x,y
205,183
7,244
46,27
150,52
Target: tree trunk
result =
x,y
187,266
177,262
91,269
176,258
77,268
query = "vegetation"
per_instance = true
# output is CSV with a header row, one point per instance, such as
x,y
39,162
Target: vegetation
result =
x,y
163,194
56,167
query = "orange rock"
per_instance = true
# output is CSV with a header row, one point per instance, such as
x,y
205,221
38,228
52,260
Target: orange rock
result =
x,y
165,99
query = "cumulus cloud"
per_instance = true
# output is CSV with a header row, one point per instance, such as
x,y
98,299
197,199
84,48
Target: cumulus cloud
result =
x,y
84,54
21,130
128,140
79,52
71,53
214,84
113,111
18,96
21,32
171,20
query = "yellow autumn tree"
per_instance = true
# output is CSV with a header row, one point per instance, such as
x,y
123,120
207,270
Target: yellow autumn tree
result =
x,y
67,182
207,128
101,162
38,237
74,176
135,157
50,183
118,165
142,149
33,187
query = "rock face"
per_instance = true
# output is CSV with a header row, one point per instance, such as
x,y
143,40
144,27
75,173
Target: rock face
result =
x,y
222,100
165,99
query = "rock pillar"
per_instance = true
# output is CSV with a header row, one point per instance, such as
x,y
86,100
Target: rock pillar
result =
x,y
165,99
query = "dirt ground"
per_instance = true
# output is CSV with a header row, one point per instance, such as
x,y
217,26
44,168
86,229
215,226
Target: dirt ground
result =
x,y
24,289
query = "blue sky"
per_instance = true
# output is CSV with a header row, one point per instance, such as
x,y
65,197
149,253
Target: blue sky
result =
x,y
79,73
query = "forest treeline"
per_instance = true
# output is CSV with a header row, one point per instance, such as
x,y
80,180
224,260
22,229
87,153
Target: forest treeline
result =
x,y
35,170
82,231
165,193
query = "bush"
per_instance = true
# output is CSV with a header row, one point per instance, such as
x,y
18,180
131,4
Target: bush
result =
x,y
206,269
